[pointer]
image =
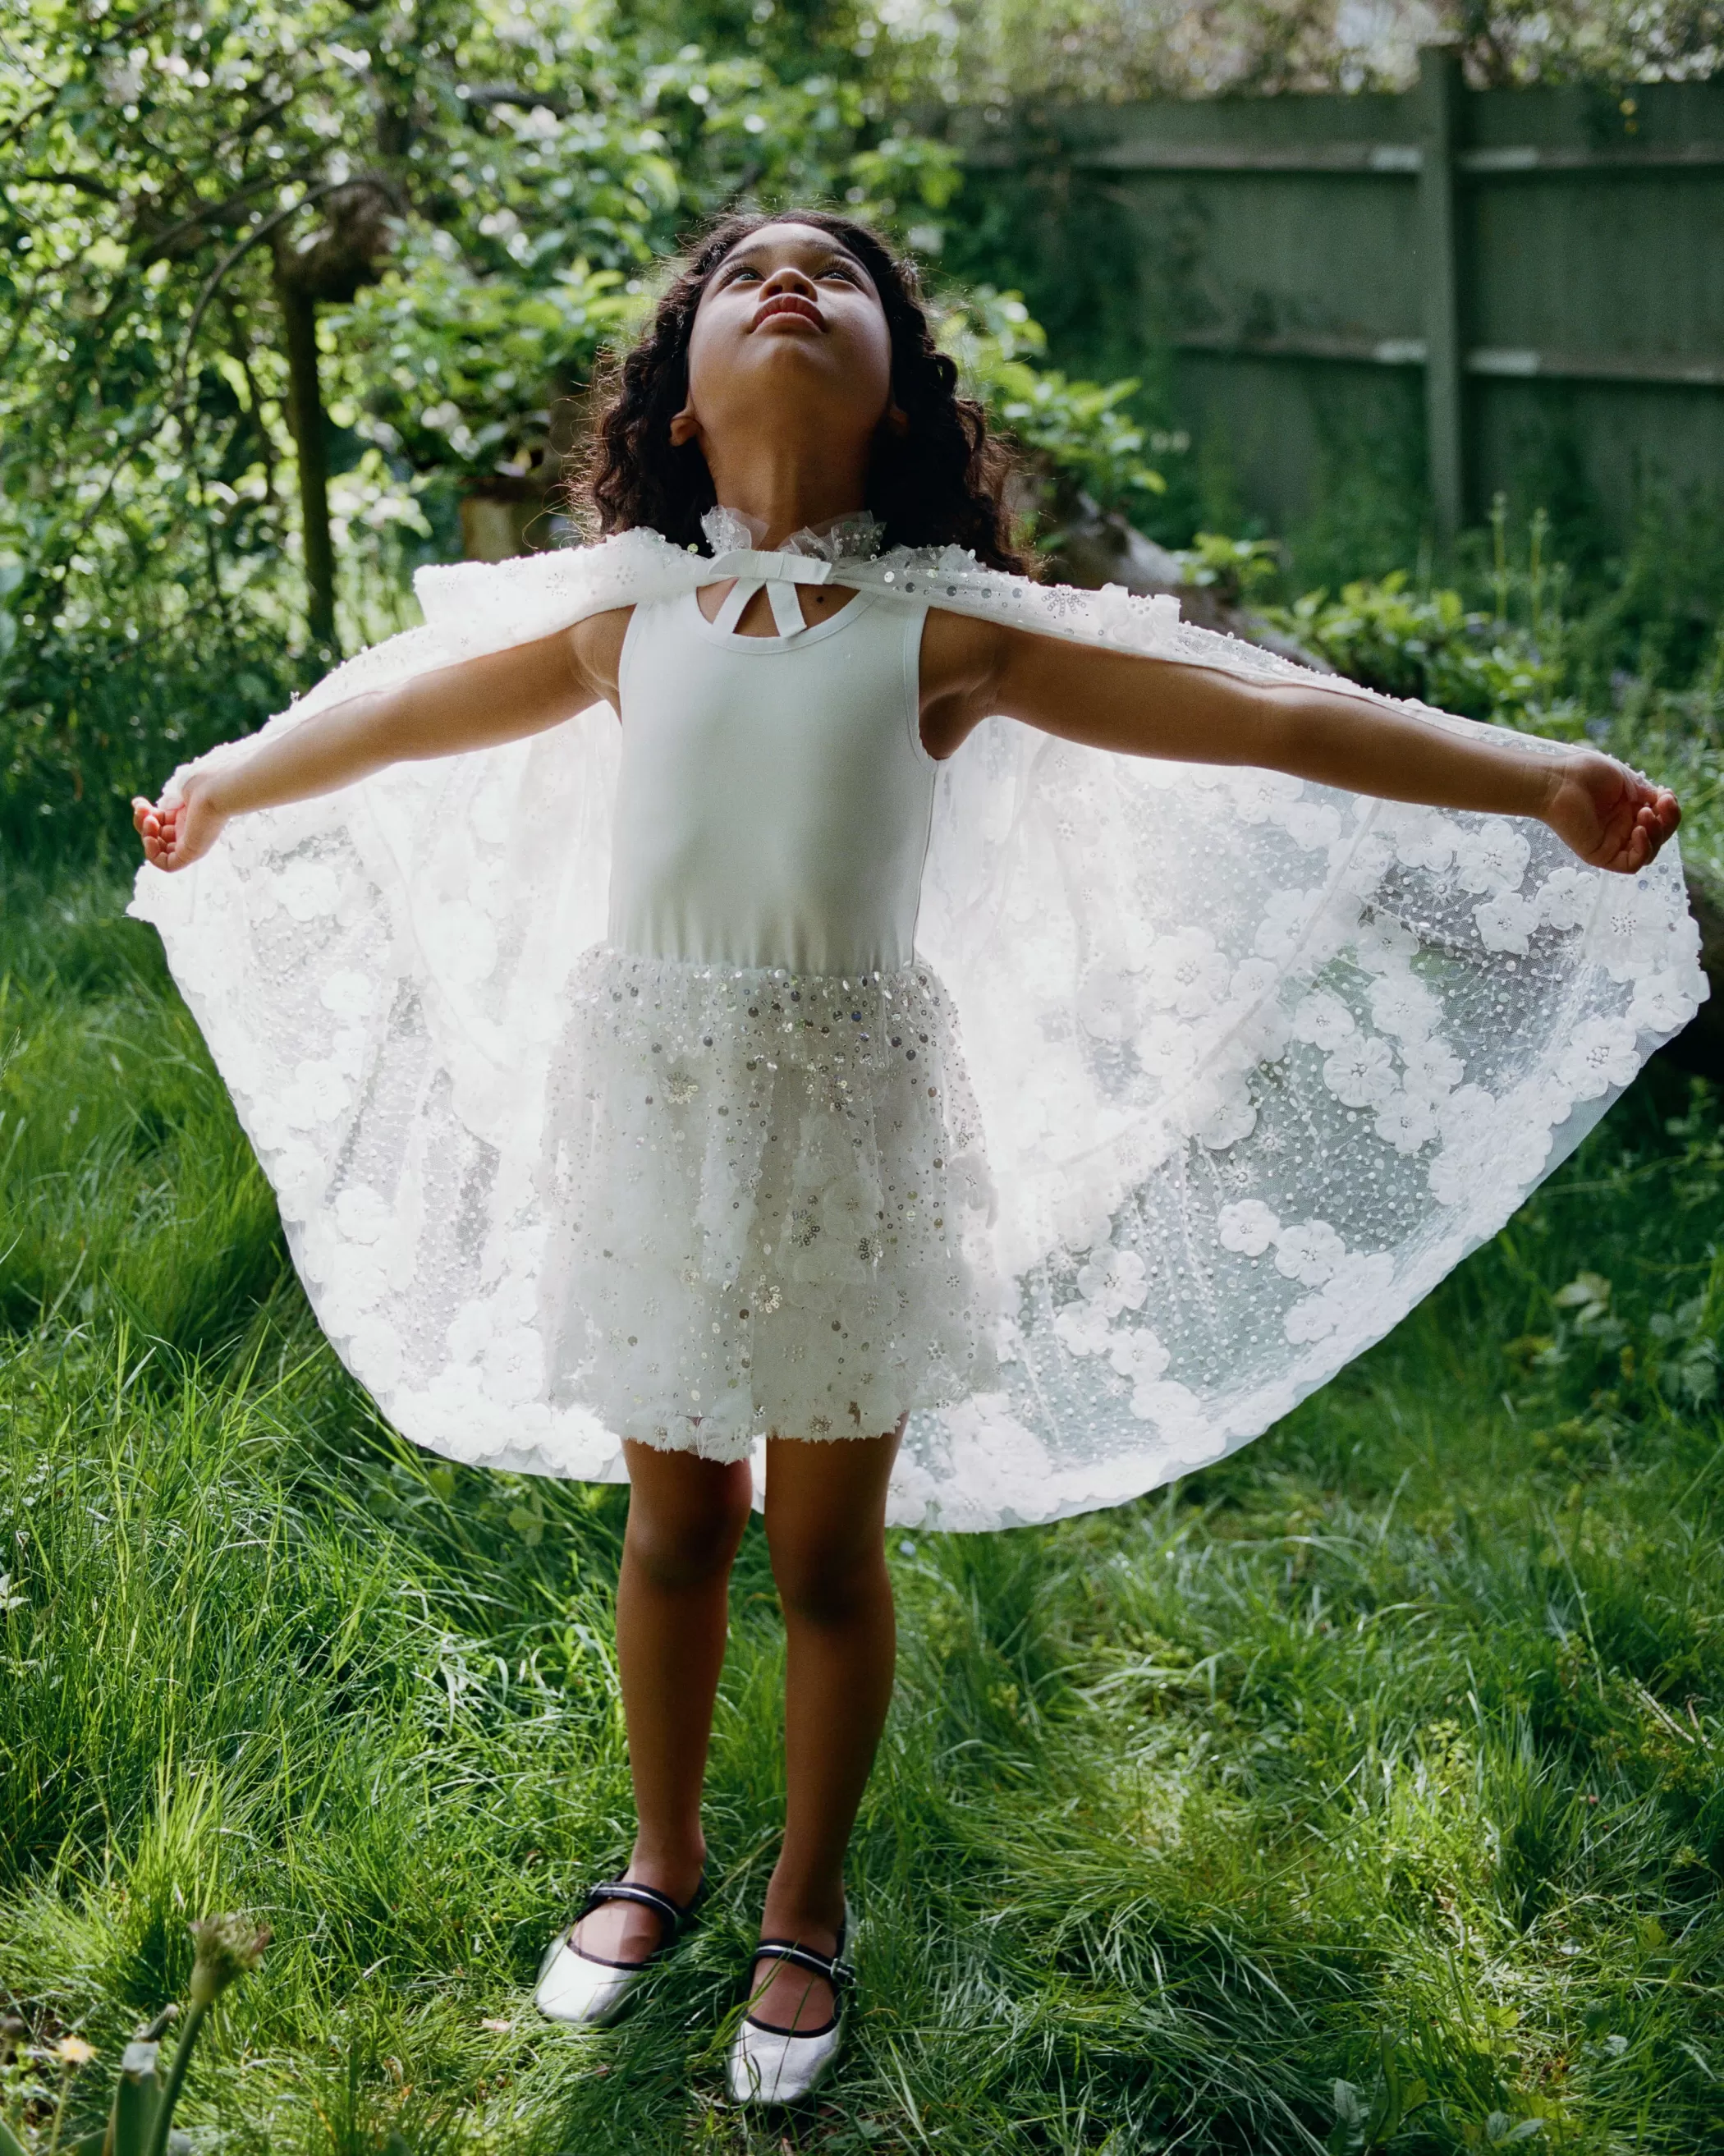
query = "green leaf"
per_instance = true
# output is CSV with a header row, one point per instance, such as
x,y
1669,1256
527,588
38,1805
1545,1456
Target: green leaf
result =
x,y
137,2098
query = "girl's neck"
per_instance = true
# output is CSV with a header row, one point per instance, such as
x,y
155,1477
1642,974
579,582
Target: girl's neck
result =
x,y
789,496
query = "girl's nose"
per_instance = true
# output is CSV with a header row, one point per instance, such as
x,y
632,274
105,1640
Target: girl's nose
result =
x,y
787,278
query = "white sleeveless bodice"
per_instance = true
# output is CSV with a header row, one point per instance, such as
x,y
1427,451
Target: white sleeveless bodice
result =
x,y
775,798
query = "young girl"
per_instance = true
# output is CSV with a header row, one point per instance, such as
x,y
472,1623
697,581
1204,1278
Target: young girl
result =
x,y
610,1092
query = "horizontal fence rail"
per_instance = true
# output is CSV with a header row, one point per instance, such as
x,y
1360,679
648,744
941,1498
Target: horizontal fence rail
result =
x,y
1510,361
1351,158
1543,270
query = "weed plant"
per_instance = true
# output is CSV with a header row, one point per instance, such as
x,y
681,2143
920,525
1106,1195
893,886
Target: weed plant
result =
x,y
1363,1791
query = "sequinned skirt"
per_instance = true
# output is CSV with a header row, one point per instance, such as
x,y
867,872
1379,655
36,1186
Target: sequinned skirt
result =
x,y
769,1200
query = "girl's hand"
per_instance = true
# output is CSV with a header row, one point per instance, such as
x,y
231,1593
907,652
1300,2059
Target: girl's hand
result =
x,y
1611,817
174,837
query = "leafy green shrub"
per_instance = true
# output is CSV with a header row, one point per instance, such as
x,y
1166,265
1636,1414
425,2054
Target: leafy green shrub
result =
x,y
1075,434
1236,570
523,167
1654,609
1432,646
108,716
460,367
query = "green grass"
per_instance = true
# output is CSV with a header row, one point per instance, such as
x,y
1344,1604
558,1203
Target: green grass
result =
x,y
1387,1754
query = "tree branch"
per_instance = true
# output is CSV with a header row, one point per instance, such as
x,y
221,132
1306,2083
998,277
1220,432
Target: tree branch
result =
x,y
81,181
172,409
345,255
503,93
29,118
212,283
164,241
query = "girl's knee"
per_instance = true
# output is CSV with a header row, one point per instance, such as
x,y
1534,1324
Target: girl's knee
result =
x,y
687,1536
828,1580
825,1522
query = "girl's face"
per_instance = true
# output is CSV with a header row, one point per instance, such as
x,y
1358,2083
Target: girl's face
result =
x,y
790,329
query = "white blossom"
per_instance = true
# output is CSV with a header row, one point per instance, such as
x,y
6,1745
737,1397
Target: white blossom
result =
x,y
1249,1227
1183,974
1174,1408
1402,1005
1114,1281
1492,856
1219,1111
1385,947
1662,1002
1601,1055
308,889
1422,838
1308,1252
1506,922
318,1093
362,1214
1628,935
1323,1020
1430,1067
1082,1328
1137,1353
1567,897
1407,1122
1361,1073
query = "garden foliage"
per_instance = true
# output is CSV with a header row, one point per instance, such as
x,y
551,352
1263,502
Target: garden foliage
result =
x,y
1117,48
459,206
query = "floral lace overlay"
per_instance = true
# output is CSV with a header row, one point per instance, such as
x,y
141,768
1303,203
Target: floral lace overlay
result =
x,y
1234,1111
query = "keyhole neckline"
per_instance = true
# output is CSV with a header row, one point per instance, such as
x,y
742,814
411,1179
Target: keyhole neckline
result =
x,y
782,595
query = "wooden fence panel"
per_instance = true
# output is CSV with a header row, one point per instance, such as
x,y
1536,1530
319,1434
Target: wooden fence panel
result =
x,y
1476,290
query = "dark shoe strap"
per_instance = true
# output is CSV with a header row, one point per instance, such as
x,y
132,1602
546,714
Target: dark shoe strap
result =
x,y
837,1974
648,1897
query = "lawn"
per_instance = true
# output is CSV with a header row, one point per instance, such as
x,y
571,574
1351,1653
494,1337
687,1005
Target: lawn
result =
x,y
1367,1790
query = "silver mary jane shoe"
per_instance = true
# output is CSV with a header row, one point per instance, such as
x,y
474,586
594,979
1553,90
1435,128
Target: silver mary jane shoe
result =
x,y
584,1990
783,2066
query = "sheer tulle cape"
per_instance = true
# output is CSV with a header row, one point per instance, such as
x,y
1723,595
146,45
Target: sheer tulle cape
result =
x,y
1245,1096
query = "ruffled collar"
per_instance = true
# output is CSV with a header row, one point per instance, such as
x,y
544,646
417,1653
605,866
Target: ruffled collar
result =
x,y
853,537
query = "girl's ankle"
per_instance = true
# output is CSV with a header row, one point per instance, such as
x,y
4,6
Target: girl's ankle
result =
x,y
814,1918
674,1870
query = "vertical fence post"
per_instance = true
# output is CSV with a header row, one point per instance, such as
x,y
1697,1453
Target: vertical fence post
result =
x,y
1440,92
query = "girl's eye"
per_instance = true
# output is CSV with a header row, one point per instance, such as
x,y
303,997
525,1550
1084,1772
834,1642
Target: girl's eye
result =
x,y
833,269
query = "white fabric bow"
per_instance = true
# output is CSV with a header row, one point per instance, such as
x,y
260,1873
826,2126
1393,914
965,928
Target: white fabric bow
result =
x,y
776,574
807,557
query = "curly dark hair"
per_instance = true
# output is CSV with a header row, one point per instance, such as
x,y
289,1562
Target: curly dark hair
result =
x,y
941,482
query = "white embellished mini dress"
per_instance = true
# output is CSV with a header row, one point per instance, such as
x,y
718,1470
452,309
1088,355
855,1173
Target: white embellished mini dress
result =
x,y
610,1087
761,1148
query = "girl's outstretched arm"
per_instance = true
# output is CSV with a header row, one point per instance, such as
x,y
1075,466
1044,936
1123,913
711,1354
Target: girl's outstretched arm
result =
x,y
501,697
1333,732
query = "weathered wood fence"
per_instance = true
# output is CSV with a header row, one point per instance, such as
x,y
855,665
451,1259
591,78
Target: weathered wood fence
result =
x,y
1482,284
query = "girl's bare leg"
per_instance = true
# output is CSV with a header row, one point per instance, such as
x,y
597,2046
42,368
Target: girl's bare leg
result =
x,y
825,1518
685,1520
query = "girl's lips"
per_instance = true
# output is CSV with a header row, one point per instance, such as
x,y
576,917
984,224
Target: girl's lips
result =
x,y
788,303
